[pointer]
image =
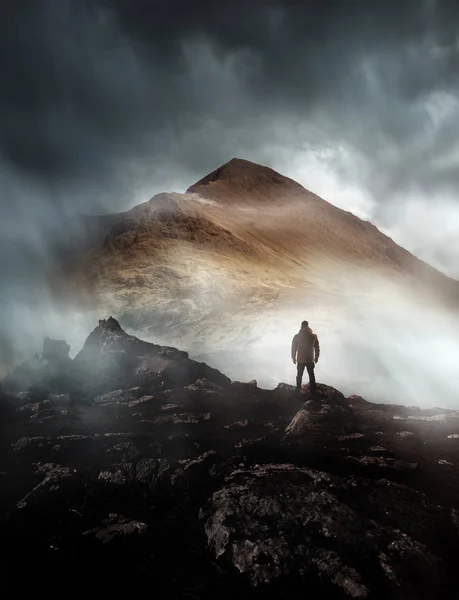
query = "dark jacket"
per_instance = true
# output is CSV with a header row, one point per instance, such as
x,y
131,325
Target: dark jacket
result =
x,y
305,346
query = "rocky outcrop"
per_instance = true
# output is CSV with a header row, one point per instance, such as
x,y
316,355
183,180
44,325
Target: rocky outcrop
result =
x,y
110,359
143,470
308,522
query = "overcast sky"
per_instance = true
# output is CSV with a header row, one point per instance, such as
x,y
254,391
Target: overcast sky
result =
x,y
105,102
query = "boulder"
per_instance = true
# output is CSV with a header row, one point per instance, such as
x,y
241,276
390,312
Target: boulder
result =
x,y
274,521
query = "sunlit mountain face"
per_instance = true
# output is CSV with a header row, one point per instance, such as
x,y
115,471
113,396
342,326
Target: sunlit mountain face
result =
x,y
229,269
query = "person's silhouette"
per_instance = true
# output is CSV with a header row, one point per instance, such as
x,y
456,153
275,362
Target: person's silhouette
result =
x,y
305,354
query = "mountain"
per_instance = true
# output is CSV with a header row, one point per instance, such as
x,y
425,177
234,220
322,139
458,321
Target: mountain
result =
x,y
240,175
144,471
229,269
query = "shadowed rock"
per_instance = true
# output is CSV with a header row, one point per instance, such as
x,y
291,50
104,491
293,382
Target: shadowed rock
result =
x,y
273,520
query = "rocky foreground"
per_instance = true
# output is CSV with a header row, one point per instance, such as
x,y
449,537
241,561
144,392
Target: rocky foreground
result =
x,y
134,468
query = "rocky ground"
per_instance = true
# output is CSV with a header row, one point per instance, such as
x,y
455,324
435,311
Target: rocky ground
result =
x,y
135,468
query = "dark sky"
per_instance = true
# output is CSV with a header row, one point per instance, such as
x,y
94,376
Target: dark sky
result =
x,y
105,102
102,99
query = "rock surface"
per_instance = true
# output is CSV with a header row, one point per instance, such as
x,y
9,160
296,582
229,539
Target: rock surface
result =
x,y
138,469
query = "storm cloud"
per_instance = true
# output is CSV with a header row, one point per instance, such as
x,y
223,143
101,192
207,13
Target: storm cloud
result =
x,y
94,91
106,102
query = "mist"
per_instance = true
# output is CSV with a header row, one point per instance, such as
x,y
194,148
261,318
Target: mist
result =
x,y
389,347
380,337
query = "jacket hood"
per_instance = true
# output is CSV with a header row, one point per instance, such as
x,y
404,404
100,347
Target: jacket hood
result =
x,y
307,330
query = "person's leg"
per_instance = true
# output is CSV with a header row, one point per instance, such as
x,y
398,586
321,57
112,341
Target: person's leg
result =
x,y
299,376
312,377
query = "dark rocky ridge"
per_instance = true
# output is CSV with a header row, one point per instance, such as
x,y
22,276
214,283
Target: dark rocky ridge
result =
x,y
135,468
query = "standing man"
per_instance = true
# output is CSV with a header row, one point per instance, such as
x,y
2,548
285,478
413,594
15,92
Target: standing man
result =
x,y
305,353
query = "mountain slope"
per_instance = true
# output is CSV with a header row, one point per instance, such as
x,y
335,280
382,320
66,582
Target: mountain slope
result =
x,y
249,213
224,268
291,217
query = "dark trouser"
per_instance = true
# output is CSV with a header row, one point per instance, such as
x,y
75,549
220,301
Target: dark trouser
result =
x,y
312,378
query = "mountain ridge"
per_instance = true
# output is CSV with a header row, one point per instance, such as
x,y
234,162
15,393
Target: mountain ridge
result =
x,y
252,175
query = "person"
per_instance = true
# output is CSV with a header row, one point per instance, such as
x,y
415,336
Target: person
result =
x,y
305,354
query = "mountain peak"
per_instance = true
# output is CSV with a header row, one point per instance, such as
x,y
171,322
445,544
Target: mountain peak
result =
x,y
241,171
